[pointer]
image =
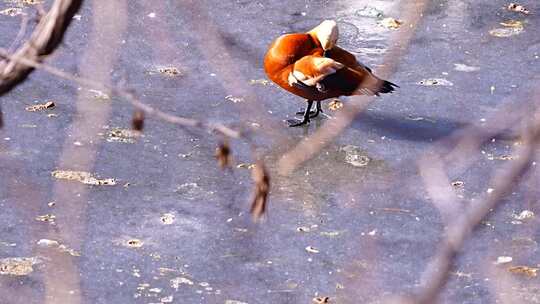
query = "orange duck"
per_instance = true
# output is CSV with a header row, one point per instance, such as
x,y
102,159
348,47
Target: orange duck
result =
x,y
312,66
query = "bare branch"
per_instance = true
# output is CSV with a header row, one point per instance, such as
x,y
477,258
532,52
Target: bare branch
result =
x,y
45,38
261,184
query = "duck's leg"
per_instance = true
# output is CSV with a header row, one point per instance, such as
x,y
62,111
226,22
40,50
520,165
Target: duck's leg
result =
x,y
315,113
317,110
307,112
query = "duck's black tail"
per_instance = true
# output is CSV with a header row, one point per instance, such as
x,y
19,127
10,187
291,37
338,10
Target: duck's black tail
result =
x,y
369,84
376,87
386,87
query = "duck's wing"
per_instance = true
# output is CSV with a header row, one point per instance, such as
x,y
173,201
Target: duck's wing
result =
x,y
322,73
346,58
327,75
312,69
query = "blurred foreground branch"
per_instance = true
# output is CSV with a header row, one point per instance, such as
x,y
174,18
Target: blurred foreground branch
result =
x,y
436,275
212,45
63,281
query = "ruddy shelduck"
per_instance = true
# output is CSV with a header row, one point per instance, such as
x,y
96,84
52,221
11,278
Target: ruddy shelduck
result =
x,y
312,66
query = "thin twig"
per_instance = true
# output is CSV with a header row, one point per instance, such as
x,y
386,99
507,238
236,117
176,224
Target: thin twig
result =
x,y
131,98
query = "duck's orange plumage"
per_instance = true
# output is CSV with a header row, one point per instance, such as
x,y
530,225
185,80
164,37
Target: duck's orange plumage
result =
x,y
312,66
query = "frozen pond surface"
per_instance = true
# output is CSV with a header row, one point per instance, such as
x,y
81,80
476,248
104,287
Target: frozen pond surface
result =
x,y
177,229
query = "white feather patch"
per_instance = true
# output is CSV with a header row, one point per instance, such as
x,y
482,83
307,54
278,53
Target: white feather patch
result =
x,y
299,75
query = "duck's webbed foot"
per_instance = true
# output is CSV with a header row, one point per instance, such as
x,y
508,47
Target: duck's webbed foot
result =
x,y
297,122
311,113
307,115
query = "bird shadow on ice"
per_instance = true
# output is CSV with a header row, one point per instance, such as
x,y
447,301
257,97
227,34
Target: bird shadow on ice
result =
x,y
414,128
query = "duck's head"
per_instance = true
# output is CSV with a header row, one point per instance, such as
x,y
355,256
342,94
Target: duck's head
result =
x,y
326,33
